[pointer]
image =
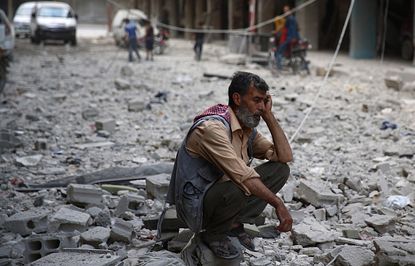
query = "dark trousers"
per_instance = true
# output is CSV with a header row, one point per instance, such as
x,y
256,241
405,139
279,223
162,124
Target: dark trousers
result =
x,y
226,204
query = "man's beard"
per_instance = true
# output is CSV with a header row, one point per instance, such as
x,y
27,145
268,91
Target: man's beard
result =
x,y
247,118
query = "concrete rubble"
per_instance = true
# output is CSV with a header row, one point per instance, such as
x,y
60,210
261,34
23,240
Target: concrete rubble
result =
x,y
87,146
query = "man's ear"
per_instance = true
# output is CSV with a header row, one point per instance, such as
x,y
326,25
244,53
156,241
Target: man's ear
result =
x,y
236,97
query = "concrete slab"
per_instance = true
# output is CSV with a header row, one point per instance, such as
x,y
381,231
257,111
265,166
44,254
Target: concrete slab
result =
x,y
79,257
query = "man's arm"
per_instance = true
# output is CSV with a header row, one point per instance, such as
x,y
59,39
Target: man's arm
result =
x,y
258,189
281,144
284,154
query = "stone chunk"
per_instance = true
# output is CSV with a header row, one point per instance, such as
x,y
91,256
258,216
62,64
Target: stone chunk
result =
x,y
136,105
311,232
381,223
121,84
354,256
96,235
133,203
32,160
24,223
157,186
69,219
107,125
122,231
73,257
90,113
83,195
317,194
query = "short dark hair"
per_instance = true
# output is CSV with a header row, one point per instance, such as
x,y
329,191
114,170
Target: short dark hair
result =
x,y
242,81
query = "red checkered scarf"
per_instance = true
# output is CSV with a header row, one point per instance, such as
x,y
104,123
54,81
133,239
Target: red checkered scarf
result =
x,y
219,109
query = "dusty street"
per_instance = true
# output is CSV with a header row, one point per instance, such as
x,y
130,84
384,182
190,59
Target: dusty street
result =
x,y
71,111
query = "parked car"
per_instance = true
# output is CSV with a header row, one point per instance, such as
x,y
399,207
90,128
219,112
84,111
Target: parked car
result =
x,y
21,19
53,21
7,39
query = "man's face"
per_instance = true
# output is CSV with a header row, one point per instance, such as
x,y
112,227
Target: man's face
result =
x,y
286,9
251,107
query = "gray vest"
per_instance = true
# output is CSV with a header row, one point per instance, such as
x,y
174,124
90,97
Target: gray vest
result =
x,y
192,177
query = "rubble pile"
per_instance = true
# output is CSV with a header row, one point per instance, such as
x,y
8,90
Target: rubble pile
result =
x,y
88,141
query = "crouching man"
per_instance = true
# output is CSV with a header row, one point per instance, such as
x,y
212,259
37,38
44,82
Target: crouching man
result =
x,y
213,186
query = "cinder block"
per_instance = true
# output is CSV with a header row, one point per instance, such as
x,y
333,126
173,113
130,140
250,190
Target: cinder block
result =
x,y
81,257
157,186
122,231
107,125
69,219
85,195
38,246
24,223
133,203
317,194
41,144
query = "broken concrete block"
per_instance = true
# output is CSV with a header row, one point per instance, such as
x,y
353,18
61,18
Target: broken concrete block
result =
x,y
136,105
157,186
133,203
311,232
352,255
121,84
32,160
318,194
38,246
107,125
24,223
85,195
127,71
90,113
381,223
394,251
96,257
351,233
68,219
103,219
320,214
41,144
122,231
393,82
95,236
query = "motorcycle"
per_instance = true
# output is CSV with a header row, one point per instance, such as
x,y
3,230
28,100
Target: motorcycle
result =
x,y
294,57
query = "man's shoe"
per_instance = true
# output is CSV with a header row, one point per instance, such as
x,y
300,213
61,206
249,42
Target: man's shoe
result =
x,y
243,237
223,248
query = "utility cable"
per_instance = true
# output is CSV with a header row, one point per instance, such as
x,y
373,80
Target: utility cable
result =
x,y
346,22
245,31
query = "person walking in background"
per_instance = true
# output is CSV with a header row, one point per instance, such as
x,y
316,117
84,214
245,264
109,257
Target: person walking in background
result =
x,y
199,39
149,41
131,35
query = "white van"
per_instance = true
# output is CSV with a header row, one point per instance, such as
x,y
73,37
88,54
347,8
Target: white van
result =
x,y
53,21
118,24
21,19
